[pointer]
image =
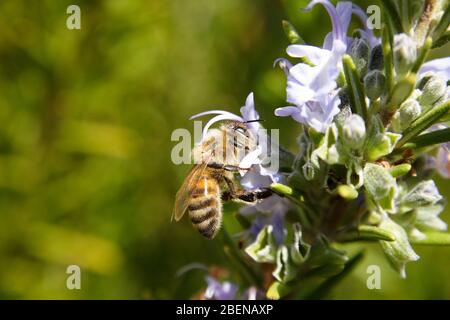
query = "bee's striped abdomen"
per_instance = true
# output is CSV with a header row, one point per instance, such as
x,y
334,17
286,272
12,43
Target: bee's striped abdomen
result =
x,y
205,209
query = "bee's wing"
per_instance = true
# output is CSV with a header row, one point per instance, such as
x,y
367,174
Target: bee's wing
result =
x,y
184,194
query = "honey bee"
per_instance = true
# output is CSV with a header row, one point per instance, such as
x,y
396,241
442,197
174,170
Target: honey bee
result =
x,y
212,181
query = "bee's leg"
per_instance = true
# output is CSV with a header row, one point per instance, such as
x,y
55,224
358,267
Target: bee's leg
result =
x,y
227,167
215,165
226,196
243,195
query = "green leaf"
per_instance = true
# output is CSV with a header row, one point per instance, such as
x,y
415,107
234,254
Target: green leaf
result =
x,y
423,194
402,90
380,143
428,139
330,283
442,25
427,218
442,41
355,87
423,55
388,58
370,233
264,249
425,121
380,185
285,270
400,170
324,258
278,290
299,250
393,15
347,191
291,33
434,238
327,149
282,189
399,251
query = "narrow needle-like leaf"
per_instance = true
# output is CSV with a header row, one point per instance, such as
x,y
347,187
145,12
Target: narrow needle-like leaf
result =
x,y
355,88
442,25
434,239
291,33
388,59
328,284
368,233
424,122
423,55
393,15
429,139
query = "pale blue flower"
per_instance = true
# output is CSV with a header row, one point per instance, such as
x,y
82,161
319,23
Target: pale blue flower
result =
x,y
220,291
443,160
226,290
440,67
312,88
441,163
253,293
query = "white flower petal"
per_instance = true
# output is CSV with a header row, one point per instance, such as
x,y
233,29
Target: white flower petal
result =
x,y
315,54
212,112
222,117
286,111
250,159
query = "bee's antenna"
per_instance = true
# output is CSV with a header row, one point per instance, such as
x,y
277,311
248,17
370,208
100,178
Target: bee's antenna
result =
x,y
256,120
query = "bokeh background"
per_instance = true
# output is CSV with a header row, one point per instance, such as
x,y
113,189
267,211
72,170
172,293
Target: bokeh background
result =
x,y
85,123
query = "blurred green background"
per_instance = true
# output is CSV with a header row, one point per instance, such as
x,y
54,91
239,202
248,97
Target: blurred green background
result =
x,y
85,123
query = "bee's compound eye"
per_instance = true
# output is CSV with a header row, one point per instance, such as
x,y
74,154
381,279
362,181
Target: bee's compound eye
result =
x,y
240,130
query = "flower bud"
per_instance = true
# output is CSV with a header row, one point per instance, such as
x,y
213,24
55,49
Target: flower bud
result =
x,y
408,112
345,112
433,89
376,58
405,53
359,51
354,131
291,33
374,83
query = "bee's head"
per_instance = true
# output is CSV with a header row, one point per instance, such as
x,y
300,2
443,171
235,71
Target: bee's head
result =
x,y
239,135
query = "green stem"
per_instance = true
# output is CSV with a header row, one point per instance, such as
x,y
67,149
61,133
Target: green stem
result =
x,y
247,273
